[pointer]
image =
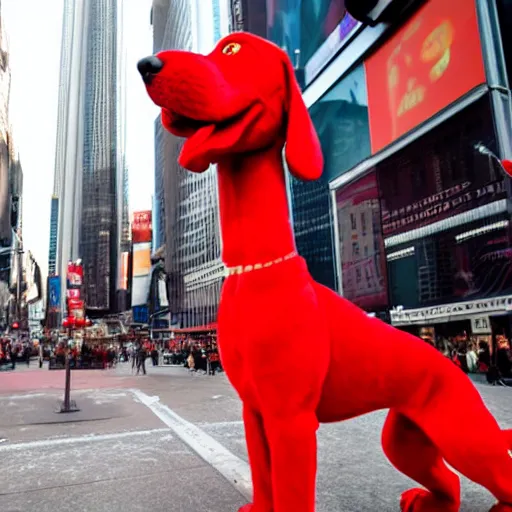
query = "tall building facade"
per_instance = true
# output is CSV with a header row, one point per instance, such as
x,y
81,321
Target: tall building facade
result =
x,y
187,211
411,218
5,192
11,188
54,230
89,204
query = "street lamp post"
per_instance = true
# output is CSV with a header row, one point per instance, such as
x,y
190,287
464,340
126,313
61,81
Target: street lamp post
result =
x,y
70,323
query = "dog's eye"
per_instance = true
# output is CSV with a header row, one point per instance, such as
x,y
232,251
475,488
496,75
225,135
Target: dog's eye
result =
x,y
231,49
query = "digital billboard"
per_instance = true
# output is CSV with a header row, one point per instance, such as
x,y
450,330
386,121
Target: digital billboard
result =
x,y
54,294
141,227
125,261
363,261
467,263
141,259
305,25
441,174
341,120
433,60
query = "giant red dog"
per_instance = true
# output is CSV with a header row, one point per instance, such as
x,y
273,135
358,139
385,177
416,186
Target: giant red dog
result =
x,y
238,107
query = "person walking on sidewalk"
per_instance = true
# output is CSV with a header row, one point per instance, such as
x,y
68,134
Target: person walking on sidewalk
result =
x,y
141,360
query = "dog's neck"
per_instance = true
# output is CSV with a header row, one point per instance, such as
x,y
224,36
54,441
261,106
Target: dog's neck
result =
x,y
254,216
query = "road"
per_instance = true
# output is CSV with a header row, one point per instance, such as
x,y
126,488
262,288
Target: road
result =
x,y
174,441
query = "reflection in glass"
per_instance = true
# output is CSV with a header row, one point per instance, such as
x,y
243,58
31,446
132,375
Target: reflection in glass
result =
x,y
302,24
471,262
433,179
363,271
441,174
341,121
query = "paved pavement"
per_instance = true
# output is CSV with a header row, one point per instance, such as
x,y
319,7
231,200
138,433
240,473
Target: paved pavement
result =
x,y
133,447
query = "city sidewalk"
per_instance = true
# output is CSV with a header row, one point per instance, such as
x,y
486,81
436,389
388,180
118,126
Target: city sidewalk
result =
x,y
113,455
174,441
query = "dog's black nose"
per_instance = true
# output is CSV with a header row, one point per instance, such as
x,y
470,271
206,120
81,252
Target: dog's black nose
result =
x,y
149,66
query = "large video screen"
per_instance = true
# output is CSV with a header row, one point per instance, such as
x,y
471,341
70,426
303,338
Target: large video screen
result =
x,y
442,173
433,60
303,24
341,120
470,262
363,263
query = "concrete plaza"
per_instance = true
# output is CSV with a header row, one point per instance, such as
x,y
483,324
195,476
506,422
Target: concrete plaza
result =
x,y
172,441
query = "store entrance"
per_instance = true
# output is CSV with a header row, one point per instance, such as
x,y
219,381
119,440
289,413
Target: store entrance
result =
x,y
500,345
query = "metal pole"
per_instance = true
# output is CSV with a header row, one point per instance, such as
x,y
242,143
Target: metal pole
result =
x,y
67,389
68,405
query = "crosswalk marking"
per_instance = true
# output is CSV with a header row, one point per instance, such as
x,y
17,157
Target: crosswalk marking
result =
x,y
234,469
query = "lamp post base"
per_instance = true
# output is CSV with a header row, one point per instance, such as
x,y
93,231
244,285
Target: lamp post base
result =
x,y
71,407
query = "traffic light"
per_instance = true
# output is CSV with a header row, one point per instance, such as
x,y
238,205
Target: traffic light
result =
x,y
15,325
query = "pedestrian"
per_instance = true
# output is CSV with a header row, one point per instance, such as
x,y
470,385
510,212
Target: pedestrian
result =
x,y
13,354
134,356
191,362
154,356
27,353
214,361
141,360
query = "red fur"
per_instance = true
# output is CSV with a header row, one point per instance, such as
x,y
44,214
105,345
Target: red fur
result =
x,y
507,165
238,111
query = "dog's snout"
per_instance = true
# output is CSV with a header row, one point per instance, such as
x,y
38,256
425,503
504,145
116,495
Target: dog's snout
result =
x,y
149,66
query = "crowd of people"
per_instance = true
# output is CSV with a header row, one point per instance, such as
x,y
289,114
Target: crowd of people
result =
x,y
84,357
199,356
471,355
12,351
476,356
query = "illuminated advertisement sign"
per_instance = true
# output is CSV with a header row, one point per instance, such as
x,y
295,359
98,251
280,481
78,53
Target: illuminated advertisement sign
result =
x,y
363,262
75,275
433,60
125,258
75,281
54,293
331,46
141,259
441,174
141,227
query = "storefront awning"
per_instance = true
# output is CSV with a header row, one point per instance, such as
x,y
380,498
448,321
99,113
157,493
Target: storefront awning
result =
x,y
201,328
452,312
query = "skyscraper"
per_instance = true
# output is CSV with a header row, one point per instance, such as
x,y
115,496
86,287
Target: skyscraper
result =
x,y
187,211
89,205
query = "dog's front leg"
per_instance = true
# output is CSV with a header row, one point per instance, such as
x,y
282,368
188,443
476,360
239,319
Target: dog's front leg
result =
x,y
259,458
293,448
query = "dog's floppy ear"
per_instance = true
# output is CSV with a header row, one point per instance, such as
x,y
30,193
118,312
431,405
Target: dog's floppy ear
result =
x,y
303,151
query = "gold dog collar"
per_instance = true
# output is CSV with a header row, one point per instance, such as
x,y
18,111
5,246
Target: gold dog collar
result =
x,y
242,269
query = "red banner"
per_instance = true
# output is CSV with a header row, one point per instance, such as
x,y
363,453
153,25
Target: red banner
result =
x,y
75,275
141,227
433,60
74,304
73,293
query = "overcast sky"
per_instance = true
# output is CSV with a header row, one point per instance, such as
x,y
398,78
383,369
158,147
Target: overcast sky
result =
x,y
34,30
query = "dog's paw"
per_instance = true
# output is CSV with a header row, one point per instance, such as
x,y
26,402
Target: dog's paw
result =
x,y
420,500
501,507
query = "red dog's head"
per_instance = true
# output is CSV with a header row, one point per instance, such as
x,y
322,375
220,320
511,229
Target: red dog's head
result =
x,y
240,98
